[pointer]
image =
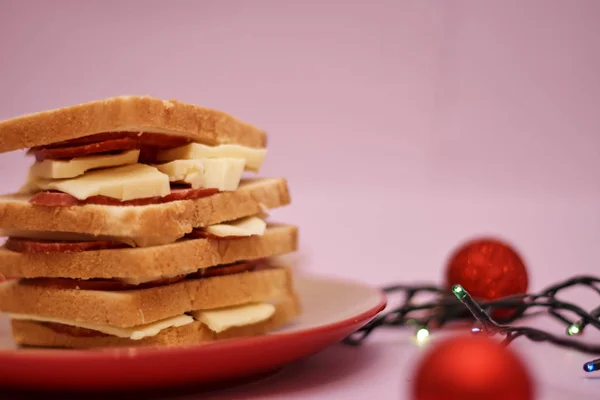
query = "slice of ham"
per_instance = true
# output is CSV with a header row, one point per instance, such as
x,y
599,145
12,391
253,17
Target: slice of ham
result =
x,y
113,286
108,146
107,142
159,140
59,199
70,330
117,285
98,284
22,245
225,270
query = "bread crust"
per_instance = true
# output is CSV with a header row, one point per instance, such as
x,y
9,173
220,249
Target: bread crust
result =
x,y
128,113
166,260
138,307
35,334
168,219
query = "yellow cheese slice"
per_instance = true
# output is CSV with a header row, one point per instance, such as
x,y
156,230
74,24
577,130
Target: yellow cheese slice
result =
x,y
193,151
241,227
129,182
220,173
133,333
221,319
60,169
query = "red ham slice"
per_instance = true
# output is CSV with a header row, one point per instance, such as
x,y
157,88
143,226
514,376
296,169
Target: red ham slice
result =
x,y
159,140
162,141
225,270
58,199
98,284
105,142
107,146
46,246
23,245
74,331
116,285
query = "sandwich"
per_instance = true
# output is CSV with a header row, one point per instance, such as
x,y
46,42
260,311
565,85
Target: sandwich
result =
x,y
142,222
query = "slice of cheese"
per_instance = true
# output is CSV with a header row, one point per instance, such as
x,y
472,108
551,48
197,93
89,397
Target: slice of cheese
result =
x,y
220,173
241,227
133,333
129,182
193,151
82,237
222,319
60,169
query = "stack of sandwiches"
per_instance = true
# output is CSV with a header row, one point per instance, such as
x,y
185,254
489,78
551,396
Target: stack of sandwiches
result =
x,y
142,223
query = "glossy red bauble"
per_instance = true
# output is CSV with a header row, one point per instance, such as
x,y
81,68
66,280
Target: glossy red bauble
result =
x,y
488,269
471,367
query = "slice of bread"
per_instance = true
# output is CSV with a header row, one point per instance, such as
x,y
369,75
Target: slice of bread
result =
x,y
36,334
168,219
147,262
138,307
128,113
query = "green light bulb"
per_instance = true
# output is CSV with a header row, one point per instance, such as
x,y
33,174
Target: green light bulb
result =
x,y
459,292
574,329
422,334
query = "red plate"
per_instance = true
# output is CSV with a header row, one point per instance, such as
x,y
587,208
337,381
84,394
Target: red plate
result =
x,y
332,309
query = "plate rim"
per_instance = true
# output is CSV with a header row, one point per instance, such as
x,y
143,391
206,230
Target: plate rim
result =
x,y
123,353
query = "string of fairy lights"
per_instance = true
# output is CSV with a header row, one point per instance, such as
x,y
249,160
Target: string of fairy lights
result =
x,y
457,305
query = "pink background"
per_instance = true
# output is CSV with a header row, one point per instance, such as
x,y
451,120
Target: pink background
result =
x,y
404,127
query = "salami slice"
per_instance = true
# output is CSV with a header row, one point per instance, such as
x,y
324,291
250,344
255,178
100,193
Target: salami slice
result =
x,y
45,246
117,285
59,199
108,142
70,330
162,141
224,270
114,285
106,146
98,284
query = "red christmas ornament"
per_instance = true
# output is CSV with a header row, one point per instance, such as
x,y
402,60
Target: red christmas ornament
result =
x,y
471,367
488,269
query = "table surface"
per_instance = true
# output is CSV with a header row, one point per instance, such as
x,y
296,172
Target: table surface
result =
x,y
558,237
383,367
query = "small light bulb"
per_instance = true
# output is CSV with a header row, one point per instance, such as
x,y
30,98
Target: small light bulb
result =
x,y
574,329
459,292
422,334
476,330
589,366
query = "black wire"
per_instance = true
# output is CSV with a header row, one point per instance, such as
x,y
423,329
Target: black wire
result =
x,y
445,308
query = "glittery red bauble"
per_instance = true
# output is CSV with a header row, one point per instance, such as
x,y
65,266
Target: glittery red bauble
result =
x,y
488,269
471,367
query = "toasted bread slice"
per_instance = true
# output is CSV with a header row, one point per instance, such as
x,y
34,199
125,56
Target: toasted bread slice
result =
x,y
181,257
128,113
32,333
137,307
168,219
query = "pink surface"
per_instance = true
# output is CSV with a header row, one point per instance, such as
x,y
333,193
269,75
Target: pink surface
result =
x,y
403,127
